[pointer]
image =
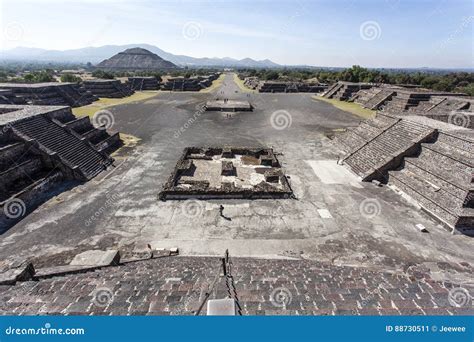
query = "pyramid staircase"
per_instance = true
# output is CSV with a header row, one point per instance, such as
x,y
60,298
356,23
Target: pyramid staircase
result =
x,y
440,179
333,90
74,155
383,151
436,169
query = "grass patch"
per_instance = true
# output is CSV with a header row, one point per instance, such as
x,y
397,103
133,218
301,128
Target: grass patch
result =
x,y
103,103
215,84
242,86
350,107
128,141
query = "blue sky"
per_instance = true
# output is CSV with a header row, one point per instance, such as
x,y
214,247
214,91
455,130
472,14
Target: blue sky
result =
x,y
383,33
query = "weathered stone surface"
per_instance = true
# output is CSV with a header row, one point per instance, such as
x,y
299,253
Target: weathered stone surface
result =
x,y
96,258
175,286
218,177
221,307
16,271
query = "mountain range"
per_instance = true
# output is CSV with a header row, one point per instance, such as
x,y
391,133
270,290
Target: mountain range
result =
x,y
95,55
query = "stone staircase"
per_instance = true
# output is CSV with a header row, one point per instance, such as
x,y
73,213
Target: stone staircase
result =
x,y
386,150
143,83
440,179
355,138
24,177
344,91
102,140
379,99
107,88
178,285
406,99
333,90
77,155
19,168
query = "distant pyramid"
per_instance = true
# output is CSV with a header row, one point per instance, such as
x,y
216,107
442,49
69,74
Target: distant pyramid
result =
x,y
135,59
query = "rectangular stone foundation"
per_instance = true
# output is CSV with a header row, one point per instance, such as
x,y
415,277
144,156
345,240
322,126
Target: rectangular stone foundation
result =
x,y
228,106
229,172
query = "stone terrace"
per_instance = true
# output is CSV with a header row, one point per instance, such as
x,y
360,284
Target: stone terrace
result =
x,y
50,94
176,285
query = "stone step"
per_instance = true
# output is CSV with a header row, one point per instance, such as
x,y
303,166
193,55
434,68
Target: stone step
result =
x,y
436,182
399,179
443,167
68,147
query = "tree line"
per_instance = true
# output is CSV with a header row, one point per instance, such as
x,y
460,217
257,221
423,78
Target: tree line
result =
x,y
452,81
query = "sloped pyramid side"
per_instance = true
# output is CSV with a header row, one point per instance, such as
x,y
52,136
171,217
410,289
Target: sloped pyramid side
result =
x,y
136,59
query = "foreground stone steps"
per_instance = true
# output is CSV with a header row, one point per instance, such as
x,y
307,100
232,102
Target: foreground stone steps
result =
x,y
176,286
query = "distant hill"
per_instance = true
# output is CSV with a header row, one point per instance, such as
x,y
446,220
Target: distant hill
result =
x,y
98,54
135,59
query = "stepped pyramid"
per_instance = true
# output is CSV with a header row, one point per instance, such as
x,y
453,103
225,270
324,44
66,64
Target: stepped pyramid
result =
x,y
135,59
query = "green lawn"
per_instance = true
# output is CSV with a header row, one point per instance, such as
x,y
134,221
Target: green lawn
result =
x,y
103,103
242,86
215,84
350,107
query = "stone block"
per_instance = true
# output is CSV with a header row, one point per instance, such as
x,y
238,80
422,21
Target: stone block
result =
x,y
221,307
17,272
227,169
272,176
96,258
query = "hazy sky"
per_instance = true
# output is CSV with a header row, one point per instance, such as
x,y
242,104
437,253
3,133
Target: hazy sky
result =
x,y
374,33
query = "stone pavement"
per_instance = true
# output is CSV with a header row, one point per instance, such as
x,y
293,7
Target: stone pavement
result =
x,y
177,285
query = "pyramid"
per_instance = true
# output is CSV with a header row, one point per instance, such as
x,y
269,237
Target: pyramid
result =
x,y
135,59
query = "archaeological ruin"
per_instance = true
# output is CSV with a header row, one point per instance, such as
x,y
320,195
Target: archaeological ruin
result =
x,y
195,83
107,88
51,94
227,172
41,146
430,162
228,106
283,86
135,59
139,83
344,90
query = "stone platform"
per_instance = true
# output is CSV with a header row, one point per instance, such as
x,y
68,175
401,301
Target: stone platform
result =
x,y
228,106
229,172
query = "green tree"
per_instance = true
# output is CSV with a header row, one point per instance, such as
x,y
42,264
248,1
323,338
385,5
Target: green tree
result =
x,y
68,77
